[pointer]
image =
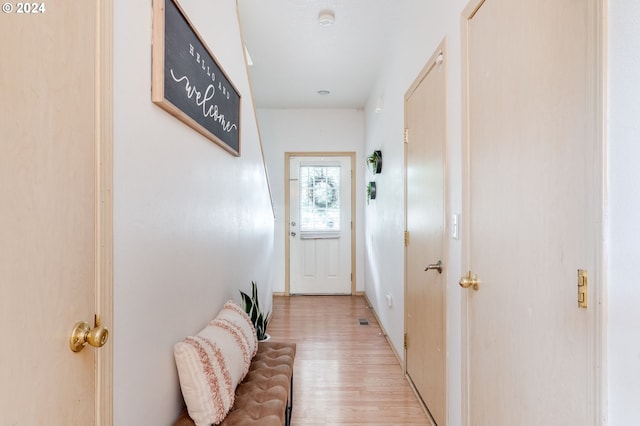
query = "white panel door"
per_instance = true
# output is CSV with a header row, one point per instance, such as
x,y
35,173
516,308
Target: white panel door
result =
x,y
50,214
532,203
425,313
320,225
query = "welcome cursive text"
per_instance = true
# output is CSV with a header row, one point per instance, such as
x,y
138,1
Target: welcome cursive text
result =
x,y
204,101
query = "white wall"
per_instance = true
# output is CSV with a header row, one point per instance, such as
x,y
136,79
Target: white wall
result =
x,y
317,130
192,223
424,25
624,204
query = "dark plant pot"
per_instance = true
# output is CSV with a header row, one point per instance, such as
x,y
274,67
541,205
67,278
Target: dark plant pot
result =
x,y
374,162
377,166
372,190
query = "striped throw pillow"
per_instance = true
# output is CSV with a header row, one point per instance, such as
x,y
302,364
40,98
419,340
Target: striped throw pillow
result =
x,y
212,363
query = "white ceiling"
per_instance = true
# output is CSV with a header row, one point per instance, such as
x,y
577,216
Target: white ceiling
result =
x,y
294,56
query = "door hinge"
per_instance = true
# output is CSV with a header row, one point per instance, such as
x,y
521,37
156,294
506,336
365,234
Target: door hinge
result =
x,y
351,277
582,288
406,135
406,238
406,340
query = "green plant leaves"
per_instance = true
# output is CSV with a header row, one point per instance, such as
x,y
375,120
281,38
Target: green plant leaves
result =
x,y
251,306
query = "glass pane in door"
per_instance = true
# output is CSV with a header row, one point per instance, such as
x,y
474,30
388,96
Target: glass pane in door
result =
x,y
319,199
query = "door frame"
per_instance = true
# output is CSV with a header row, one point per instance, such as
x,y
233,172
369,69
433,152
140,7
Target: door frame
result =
x,y
287,214
428,67
598,283
104,207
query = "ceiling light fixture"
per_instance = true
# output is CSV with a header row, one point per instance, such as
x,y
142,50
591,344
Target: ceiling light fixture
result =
x,y
326,18
323,92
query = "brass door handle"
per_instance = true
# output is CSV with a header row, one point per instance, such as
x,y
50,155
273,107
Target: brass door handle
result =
x,y
471,280
435,266
82,334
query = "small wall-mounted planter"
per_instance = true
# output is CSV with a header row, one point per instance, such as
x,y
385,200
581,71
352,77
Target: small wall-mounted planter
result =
x,y
371,191
374,162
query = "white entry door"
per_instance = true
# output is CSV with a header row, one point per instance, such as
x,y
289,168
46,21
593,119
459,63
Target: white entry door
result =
x,y
320,225
54,215
532,208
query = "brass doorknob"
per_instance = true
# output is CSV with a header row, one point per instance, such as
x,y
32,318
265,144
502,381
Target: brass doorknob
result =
x,y
471,280
82,334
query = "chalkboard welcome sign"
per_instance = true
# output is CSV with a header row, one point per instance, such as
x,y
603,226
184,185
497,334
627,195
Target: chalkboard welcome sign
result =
x,y
188,82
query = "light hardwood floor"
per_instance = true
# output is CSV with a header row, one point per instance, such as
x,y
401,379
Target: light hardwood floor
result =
x,y
344,373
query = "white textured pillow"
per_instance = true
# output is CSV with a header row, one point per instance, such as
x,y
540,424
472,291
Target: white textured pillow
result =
x,y
213,362
235,319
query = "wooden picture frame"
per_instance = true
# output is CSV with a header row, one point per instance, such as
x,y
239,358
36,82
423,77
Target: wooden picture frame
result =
x,y
188,82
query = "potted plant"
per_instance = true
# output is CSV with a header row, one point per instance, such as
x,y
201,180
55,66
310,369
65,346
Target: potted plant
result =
x,y
374,162
251,306
371,191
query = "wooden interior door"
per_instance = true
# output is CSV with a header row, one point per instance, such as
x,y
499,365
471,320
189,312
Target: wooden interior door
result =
x,y
54,233
425,305
532,202
320,230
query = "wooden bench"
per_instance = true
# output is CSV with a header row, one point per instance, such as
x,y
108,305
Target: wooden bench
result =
x,y
265,396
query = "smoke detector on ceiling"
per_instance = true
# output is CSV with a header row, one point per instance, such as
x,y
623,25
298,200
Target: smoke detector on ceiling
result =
x,y
326,18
